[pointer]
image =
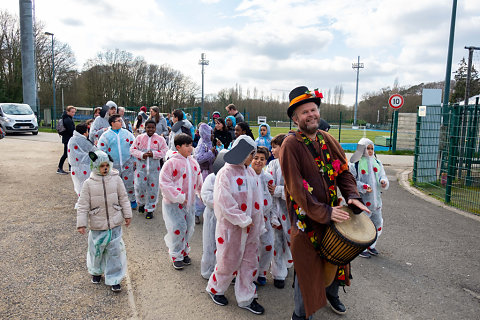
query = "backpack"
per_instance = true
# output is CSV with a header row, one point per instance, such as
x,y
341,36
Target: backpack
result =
x,y
61,127
186,130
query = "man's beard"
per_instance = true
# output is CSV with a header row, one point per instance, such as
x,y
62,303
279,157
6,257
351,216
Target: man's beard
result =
x,y
309,129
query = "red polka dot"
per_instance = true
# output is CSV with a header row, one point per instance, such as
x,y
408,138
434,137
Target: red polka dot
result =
x,y
268,248
109,149
126,178
195,168
375,169
368,204
220,240
214,278
152,197
243,207
102,144
380,229
143,166
194,186
213,291
284,217
274,253
254,273
214,251
130,192
155,142
158,168
128,140
257,206
73,173
265,202
363,172
184,175
264,273
85,172
248,229
289,231
239,181
365,187
290,261
153,206
177,232
234,273
153,184
270,182
138,175
145,178
126,167
75,147
173,258
265,218
76,159
142,196
180,206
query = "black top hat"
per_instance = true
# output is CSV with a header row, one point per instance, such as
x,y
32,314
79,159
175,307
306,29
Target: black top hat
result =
x,y
301,95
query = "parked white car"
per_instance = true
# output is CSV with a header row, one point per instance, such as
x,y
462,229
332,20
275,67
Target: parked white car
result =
x,y
18,117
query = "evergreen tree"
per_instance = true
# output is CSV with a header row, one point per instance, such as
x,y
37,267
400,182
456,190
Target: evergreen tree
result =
x,y
458,92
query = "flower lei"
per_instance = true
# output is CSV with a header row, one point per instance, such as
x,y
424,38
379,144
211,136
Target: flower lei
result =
x,y
330,169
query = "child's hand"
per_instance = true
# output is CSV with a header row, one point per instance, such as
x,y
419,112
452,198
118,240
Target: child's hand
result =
x,y
81,230
369,189
145,156
271,188
383,183
127,221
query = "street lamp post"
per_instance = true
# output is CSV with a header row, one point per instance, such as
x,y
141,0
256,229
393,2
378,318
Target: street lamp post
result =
x,y
357,66
203,62
53,83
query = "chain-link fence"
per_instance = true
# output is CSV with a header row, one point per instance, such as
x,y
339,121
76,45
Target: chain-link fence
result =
x,y
447,155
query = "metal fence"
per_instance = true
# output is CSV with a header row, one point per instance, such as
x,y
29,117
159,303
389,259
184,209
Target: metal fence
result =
x,y
447,155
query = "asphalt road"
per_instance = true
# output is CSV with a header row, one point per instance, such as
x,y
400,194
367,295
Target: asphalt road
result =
x,y
427,268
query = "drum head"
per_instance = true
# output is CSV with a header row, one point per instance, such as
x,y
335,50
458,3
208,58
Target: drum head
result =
x,y
359,228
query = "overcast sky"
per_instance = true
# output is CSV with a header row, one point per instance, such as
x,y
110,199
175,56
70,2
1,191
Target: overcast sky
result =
x,y
273,45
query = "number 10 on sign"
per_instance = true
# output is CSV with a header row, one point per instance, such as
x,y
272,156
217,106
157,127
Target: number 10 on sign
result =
x,y
396,101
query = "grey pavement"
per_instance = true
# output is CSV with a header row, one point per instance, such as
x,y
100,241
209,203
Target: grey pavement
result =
x,y
427,268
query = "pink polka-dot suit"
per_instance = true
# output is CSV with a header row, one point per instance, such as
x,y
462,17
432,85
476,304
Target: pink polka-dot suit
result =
x,y
180,180
238,206
148,170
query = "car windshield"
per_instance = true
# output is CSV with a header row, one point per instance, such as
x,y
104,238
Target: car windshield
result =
x,y
17,109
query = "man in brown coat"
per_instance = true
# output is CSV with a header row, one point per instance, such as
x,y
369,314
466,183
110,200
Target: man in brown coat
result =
x,y
310,189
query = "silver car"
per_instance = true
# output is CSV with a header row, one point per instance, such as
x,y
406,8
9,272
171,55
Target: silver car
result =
x,y
18,117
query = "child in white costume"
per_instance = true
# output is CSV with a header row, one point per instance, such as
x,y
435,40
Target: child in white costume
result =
x,y
116,142
78,148
180,180
100,125
371,179
265,247
104,205
209,220
282,258
147,149
238,208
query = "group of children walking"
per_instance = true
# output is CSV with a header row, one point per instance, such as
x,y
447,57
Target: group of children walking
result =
x,y
246,229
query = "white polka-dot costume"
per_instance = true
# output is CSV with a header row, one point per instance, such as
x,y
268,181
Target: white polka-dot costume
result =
x,y
180,180
77,150
148,170
237,204
265,247
118,146
282,257
209,224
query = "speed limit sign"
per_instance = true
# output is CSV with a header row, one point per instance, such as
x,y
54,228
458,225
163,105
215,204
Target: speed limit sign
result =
x,y
396,101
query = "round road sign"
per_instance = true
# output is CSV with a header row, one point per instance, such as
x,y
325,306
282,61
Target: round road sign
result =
x,y
396,101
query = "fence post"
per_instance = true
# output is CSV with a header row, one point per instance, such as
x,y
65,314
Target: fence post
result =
x,y
471,142
452,157
340,128
417,147
391,132
395,129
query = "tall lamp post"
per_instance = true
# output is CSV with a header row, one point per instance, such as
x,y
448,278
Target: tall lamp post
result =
x,y
357,66
203,62
53,83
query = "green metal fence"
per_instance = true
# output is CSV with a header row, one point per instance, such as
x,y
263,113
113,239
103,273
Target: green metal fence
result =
x,y
447,155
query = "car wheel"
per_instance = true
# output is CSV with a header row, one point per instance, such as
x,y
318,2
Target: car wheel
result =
x,y
34,133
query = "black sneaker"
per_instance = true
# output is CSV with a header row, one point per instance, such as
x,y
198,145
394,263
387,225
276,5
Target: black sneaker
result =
x,y
219,299
255,307
295,317
116,288
149,215
373,251
96,279
141,209
187,260
178,264
280,284
336,305
365,254
197,219
261,281
60,171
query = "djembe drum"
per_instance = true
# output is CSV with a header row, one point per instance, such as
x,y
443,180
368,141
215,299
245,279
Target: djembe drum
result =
x,y
344,241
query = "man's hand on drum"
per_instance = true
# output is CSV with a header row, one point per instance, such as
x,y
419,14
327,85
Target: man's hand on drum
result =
x,y
358,204
338,215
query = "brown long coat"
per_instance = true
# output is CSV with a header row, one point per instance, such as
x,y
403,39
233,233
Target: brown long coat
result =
x,y
297,164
